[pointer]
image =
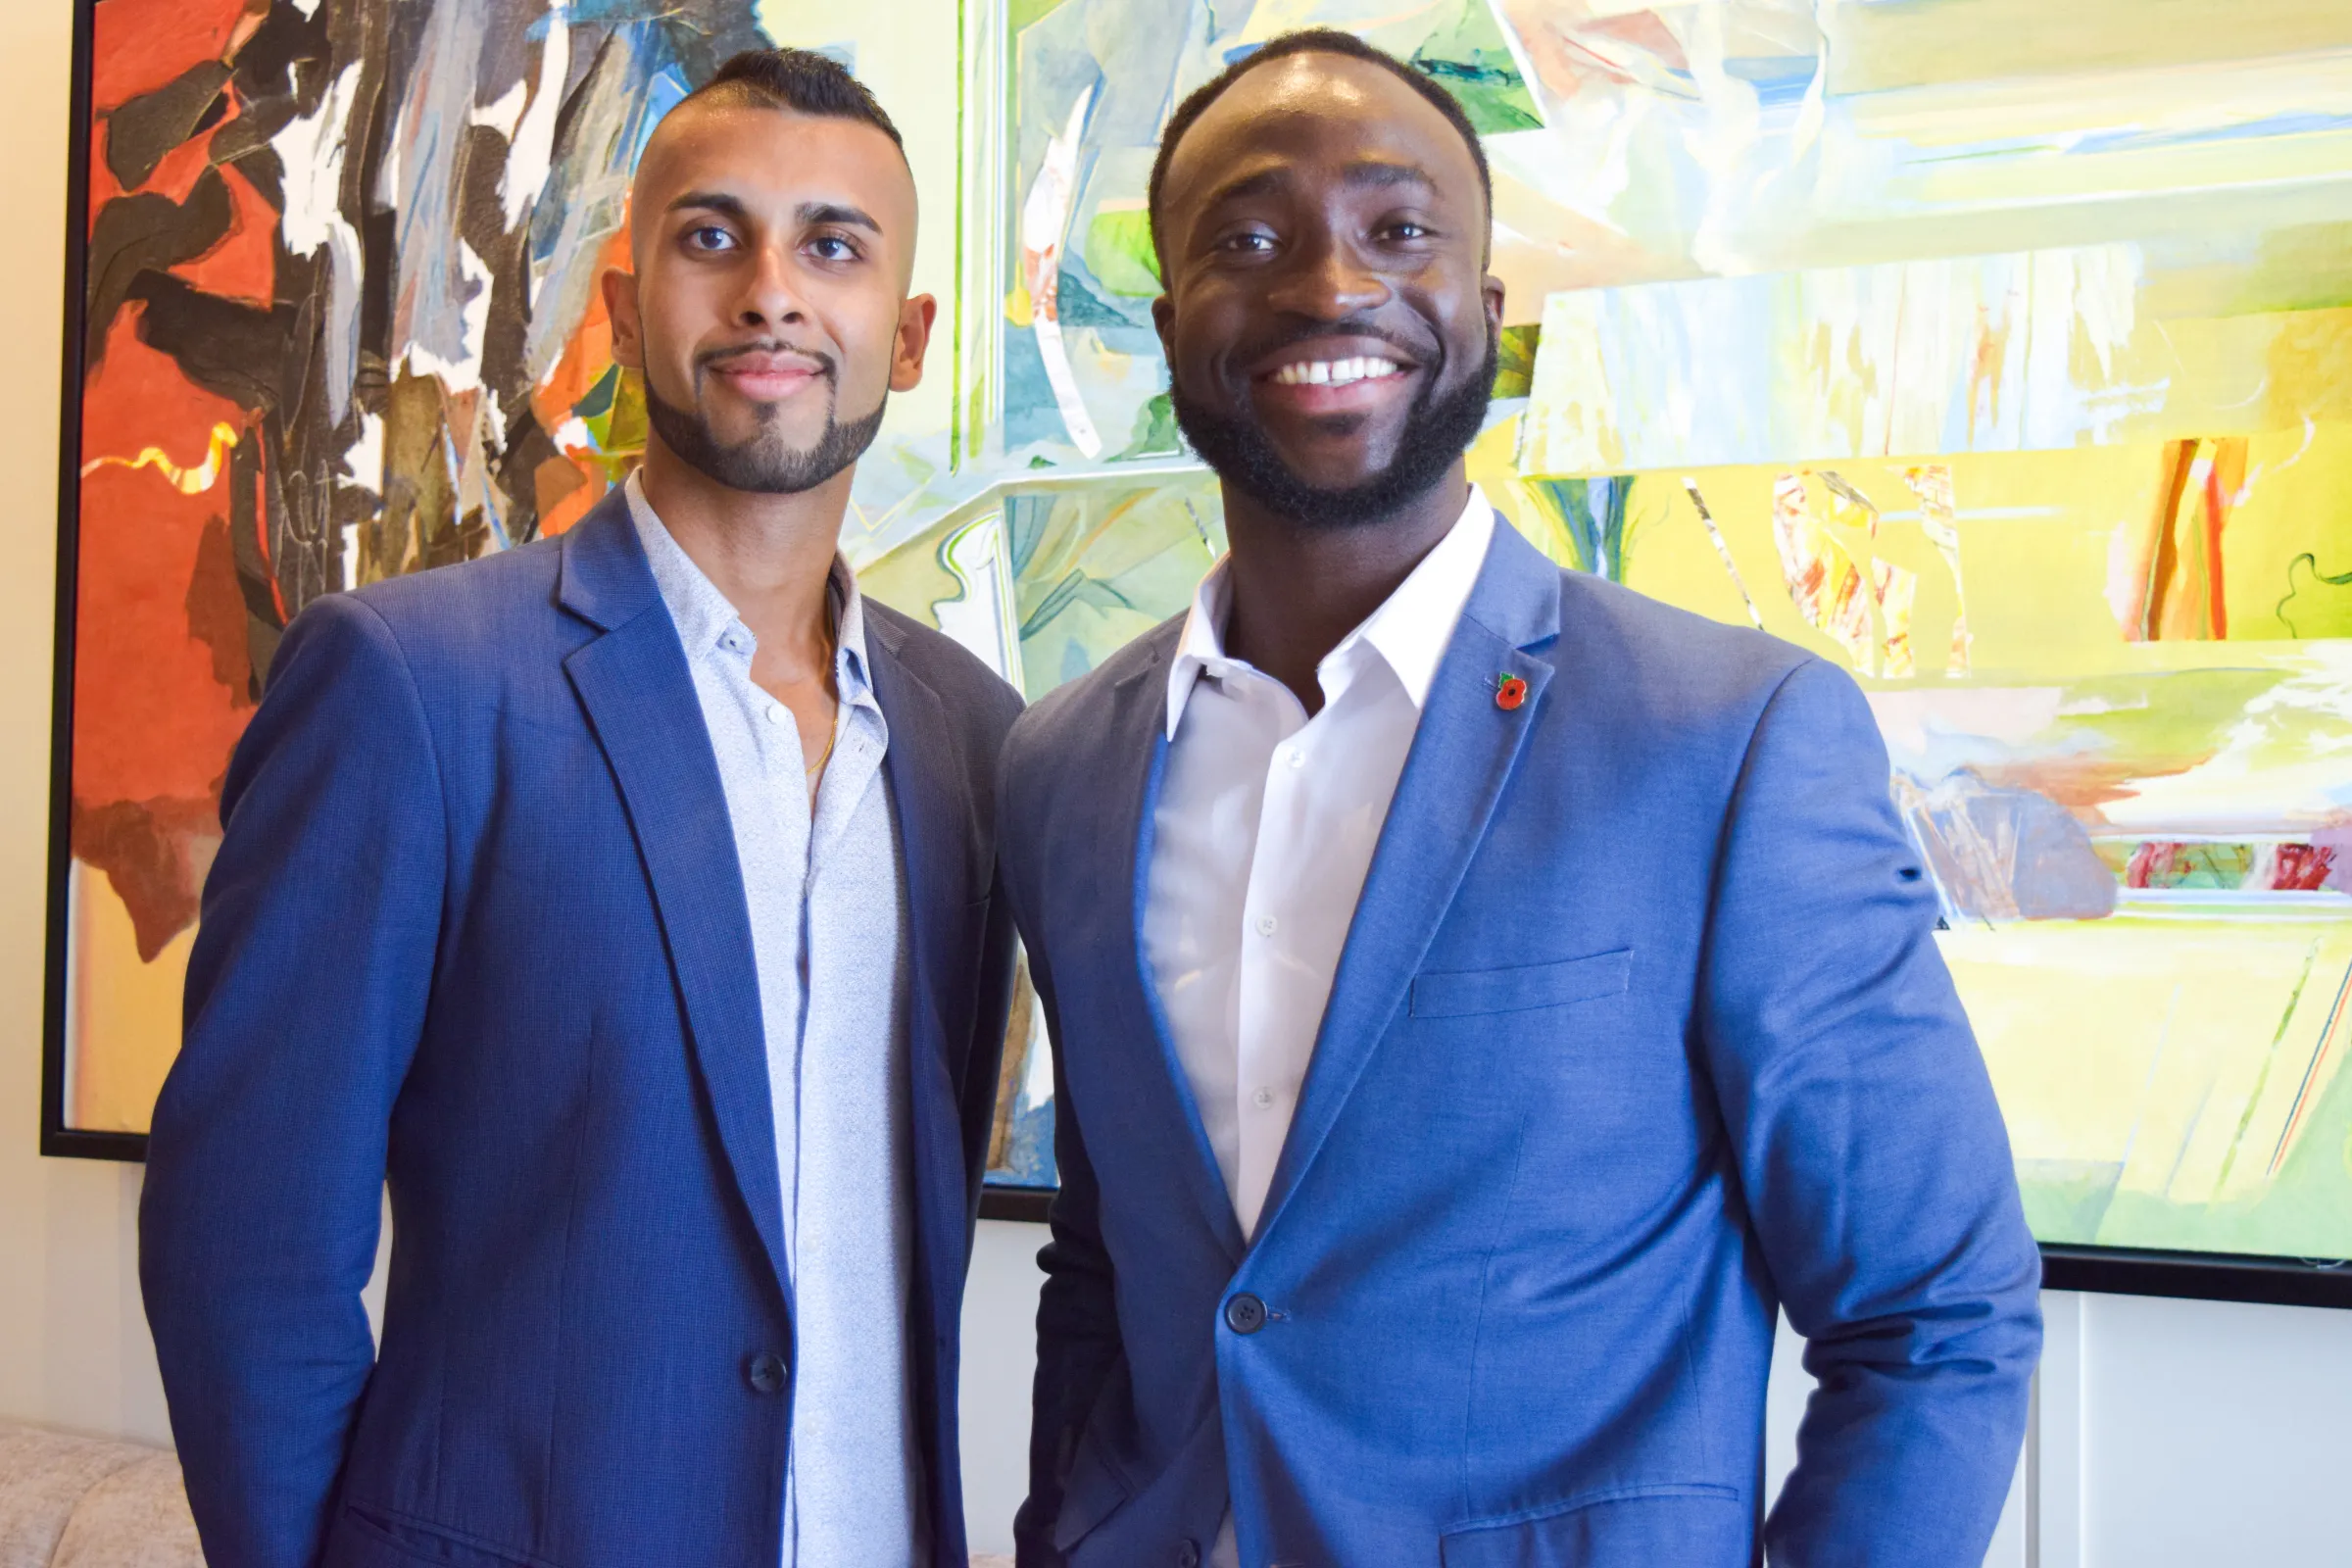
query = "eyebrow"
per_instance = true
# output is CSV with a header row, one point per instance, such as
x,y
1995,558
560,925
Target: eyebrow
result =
x,y
808,213
1364,174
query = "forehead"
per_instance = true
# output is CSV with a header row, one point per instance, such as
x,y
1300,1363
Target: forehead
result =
x,y
758,154
1315,111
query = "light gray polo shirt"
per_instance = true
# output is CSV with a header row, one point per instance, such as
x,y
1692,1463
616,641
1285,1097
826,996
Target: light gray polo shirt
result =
x,y
827,894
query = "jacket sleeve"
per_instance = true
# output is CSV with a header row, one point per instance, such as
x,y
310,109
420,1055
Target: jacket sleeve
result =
x,y
993,1010
1872,1157
1077,1313
306,995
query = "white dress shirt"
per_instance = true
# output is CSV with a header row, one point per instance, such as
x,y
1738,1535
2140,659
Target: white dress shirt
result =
x,y
825,888
1262,836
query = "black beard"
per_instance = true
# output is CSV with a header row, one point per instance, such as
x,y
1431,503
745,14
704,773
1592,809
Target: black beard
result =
x,y
761,465
1438,430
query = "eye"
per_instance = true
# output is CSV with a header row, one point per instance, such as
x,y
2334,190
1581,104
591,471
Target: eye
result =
x,y
834,248
709,239
1405,228
1249,242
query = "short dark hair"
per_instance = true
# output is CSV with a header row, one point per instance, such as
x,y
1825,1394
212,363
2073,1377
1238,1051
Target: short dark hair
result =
x,y
801,82
1310,40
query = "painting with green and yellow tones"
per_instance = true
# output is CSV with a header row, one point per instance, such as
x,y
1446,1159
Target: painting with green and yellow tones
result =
x,y
1999,351
2001,355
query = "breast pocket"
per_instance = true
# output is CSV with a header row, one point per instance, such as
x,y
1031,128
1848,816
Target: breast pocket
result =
x,y
1463,993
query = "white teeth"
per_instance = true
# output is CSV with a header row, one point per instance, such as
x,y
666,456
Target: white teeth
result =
x,y
1336,372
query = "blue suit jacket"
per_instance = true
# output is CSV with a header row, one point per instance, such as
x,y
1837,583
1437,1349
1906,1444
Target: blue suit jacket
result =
x,y
1639,1032
477,926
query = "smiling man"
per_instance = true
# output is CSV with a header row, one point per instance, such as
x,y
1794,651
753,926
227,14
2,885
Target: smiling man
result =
x,y
662,978
1483,996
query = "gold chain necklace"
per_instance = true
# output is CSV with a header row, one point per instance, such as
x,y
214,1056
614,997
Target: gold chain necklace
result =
x,y
815,771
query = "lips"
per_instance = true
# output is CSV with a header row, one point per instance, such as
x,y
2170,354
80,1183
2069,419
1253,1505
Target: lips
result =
x,y
1337,372
1331,374
768,376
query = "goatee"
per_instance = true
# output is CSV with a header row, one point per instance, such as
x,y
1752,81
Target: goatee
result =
x,y
764,464
1440,428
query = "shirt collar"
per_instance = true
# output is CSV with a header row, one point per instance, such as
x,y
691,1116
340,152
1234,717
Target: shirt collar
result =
x,y
1409,631
705,618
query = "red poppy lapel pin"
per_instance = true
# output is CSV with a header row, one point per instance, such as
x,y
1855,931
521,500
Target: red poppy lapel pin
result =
x,y
1509,692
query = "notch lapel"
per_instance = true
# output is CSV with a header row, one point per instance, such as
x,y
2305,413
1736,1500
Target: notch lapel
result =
x,y
1138,743
639,695
1461,757
937,828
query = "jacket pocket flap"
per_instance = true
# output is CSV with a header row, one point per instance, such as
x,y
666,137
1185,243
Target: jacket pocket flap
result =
x,y
1536,985
1696,1525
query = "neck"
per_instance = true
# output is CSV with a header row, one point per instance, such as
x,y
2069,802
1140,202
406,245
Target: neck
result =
x,y
771,556
1295,591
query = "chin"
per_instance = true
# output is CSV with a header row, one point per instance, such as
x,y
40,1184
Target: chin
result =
x,y
1329,471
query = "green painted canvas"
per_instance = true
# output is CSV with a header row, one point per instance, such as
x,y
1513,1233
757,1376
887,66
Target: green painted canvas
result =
x,y
2000,352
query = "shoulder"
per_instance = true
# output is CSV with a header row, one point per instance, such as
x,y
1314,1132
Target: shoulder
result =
x,y
470,598
1673,666
1060,726
974,694
454,626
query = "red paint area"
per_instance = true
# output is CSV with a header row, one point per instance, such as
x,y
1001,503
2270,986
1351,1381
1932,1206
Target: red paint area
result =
x,y
2302,867
2151,865
244,264
140,45
159,678
177,175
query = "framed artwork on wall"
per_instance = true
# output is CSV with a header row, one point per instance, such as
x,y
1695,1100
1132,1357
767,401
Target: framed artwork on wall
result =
x,y
2003,358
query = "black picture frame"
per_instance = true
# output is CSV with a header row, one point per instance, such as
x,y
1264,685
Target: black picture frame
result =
x,y
2117,1271
59,1140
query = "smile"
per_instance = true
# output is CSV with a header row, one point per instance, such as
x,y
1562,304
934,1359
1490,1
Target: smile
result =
x,y
1337,372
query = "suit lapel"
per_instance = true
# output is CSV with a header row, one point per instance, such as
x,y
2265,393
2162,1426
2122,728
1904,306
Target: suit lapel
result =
x,y
1461,757
1139,748
932,798
641,702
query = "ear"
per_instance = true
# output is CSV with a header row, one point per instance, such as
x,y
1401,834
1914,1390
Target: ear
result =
x,y
1491,287
1163,318
628,328
915,319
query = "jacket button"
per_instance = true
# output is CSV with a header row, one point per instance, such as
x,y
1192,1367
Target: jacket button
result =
x,y
1187,1553
1244,1314
765,1372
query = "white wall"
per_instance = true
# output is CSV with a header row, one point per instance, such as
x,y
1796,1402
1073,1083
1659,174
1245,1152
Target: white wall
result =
x,y
2172,1435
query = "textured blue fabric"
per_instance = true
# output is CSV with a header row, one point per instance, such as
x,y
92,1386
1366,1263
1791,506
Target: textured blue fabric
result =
x,y
478,928
1640,1033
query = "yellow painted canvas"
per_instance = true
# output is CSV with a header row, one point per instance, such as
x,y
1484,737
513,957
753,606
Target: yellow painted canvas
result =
x,y
2000,353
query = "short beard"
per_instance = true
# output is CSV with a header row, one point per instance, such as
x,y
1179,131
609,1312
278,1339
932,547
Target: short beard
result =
x,y
1439,429
764,464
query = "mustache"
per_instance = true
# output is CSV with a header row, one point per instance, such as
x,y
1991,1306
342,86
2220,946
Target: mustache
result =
x,y
825,363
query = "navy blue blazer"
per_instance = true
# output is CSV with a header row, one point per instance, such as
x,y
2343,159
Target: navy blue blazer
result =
x,y
478,930
1640,1033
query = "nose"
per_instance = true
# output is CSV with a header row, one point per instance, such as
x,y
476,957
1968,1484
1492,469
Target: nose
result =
x,y
771,295
1326,280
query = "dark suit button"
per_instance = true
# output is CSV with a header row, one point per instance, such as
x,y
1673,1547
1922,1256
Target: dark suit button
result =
x,y
1187,1553
765,1372
1244,1314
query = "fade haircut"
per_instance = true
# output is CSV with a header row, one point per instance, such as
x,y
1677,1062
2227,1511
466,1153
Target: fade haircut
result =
x,y
1318,42
799,82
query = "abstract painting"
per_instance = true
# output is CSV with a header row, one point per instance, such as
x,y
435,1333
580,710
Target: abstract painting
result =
x,y
2000,353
